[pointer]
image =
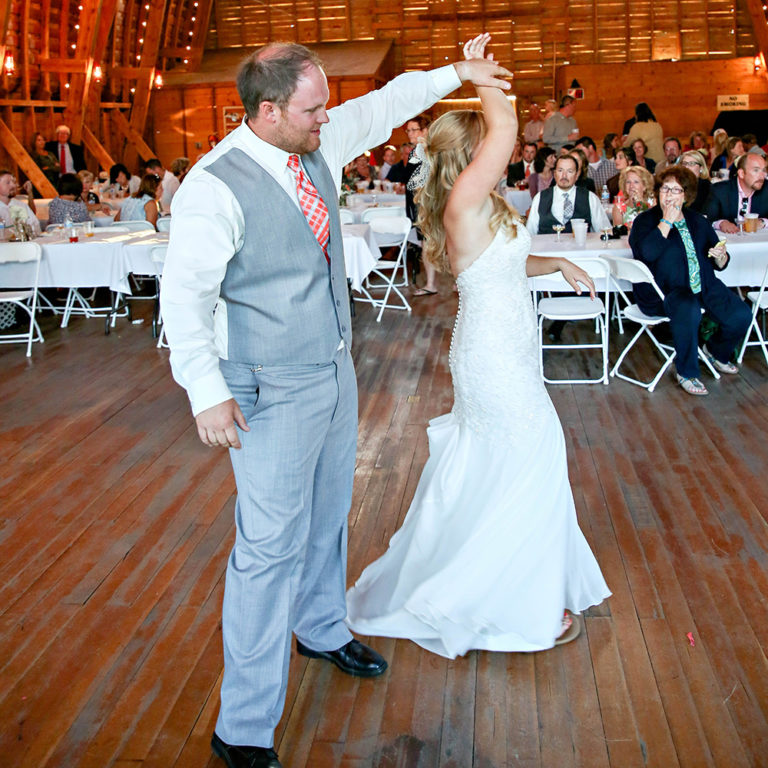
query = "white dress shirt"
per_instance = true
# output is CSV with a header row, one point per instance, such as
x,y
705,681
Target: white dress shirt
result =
x,y
69,165
29,216
597,214
207,226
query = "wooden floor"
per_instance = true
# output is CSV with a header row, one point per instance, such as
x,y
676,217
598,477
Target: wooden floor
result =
x,y
116,525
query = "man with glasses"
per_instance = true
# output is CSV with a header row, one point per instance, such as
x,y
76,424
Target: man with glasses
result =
x,y
730,201
672,152
683,252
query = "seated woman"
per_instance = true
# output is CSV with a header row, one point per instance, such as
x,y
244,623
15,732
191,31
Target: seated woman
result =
x,y
694,161
641,156
611,142
583,179
625,157
143,205
636,187
119,178
734,148
68,205
543,167
682,250
44,159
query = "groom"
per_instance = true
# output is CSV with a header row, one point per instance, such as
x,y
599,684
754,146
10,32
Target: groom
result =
x,y
255,307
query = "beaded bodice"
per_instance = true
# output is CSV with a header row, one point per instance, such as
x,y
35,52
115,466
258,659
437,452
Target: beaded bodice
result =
x,y
494,351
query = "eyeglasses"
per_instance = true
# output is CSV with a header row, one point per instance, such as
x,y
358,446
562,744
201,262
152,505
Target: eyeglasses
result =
x,y
672,190
691,164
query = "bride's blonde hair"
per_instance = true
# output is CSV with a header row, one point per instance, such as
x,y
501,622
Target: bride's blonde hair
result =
x,y
448,149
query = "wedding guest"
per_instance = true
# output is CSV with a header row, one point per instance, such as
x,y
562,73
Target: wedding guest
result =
x,y
171,181
611,142
599,169
730,201
400,172
388,159
521,171
636,185
543,166
719,140
533,129
9,201
119,179
561,128
734,148
682,250
647,128
696,163
69,203
71,156
44,159
672,151
143,204
641,158
583,179
625,157
698,140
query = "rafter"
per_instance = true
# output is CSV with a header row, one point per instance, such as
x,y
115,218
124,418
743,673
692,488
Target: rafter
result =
x,y
22,158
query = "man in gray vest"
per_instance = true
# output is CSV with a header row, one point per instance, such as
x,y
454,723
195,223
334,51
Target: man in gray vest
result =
x,y
255,308
563,201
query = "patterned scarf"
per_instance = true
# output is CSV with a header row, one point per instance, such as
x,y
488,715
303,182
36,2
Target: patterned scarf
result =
x,y
694,276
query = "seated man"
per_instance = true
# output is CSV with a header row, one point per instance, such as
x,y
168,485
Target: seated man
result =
x,y
730,201
389,156
682,251
565,201
672,151
522,170
400,172
9,190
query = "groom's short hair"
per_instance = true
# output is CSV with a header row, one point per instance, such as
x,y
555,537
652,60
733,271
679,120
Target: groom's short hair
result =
x,y
271,74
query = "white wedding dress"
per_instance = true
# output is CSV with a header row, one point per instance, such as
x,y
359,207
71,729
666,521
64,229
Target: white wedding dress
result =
x,y
490,552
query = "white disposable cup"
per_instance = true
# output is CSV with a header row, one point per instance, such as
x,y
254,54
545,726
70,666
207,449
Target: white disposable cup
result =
x,y
579,232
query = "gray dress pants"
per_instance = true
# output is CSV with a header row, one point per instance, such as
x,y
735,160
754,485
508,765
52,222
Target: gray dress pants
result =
x,y
287,571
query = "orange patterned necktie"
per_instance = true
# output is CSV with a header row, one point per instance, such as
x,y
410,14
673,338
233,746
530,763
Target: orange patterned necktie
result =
x,y
312,205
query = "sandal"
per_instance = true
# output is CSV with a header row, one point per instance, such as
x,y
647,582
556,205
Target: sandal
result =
x,y
423,292
571,628
692,385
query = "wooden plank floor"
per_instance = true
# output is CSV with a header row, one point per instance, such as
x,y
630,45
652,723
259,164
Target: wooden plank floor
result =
x,y
115,524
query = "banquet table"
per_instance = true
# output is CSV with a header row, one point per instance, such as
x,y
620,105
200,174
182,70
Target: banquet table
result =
x,y
749,253
358,207
360,253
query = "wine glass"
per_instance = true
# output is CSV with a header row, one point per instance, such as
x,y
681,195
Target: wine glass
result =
x,y
558,229
605,235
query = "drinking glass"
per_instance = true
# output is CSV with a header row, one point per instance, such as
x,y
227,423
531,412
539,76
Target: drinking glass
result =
x,y
605,235
88,229
558,229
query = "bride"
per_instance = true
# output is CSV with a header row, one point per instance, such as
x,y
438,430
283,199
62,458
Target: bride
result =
x,y
490,555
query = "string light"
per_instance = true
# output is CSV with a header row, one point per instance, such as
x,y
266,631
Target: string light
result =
x,y
97,73
158,80
9,65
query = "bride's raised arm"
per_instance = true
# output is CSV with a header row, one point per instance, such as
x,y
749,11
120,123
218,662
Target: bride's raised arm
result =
x,y
468,210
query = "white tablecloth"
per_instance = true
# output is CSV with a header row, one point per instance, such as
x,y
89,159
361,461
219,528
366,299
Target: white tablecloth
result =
x,y
358,207
106,259
749,253
360,252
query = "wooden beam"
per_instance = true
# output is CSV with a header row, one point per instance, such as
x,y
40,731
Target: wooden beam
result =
x,y
133,136
759,24
94,146
202,18
72,66
22,158
53,104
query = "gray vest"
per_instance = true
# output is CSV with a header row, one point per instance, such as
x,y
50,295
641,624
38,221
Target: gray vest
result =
x,y
285,305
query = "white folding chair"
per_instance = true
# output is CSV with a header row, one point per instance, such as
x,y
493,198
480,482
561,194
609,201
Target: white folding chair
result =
x,y
132,226
377,213
635,272
157,254
345,216
574,308
164,224
21,264
115,228
759,299
390,232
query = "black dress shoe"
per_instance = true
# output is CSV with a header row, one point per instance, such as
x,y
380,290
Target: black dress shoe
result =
x,y
244,757
354,658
